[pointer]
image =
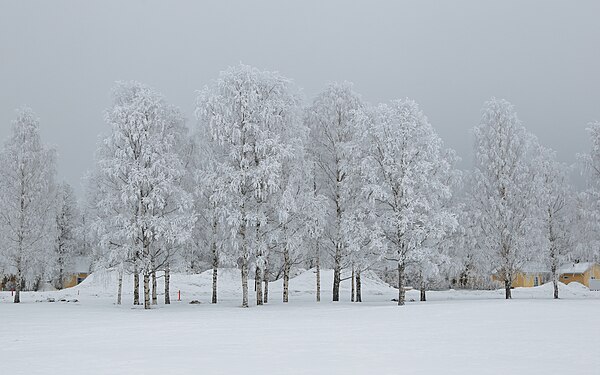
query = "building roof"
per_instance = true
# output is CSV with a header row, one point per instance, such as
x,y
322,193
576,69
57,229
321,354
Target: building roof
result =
x,y
576,267
533,267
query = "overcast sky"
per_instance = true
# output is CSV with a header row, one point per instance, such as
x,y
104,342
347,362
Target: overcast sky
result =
x,y
62,57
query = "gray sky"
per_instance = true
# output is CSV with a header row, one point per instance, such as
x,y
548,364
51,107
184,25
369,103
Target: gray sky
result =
x,y
62,57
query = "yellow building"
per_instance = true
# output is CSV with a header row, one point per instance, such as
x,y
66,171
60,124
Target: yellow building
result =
x,y
74,279
531,274
529,279
78,270
587,274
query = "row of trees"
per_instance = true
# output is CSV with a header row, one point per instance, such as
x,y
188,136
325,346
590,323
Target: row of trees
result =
x,y
269,184
39,235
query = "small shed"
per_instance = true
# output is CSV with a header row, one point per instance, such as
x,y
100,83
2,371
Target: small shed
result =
x,y
79,270
586,273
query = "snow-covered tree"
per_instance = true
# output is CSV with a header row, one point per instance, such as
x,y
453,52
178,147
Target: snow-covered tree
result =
x,y
468,266
504,190
298,216
210,234
249,114
66,240
358,221
556,205
27,170
85,234
404,169
431,264
167,251
427,267
332,140
585,227
141,204
361,255
587,220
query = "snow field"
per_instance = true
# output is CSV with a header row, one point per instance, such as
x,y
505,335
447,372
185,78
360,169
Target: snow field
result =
x,y
455,332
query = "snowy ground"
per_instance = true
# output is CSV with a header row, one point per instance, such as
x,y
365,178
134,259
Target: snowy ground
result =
x,y
455,332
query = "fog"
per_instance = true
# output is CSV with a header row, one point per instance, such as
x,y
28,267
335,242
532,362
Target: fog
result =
x,y
62,57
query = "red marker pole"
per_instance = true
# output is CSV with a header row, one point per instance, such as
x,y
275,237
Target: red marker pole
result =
x,y
179,295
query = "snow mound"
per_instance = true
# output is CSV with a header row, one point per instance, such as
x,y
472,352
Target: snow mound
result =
x,y
46,287
370,282
104,283
571,290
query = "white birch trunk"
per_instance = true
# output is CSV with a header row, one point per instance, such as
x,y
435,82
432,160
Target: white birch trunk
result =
x,y
167,285
423,296
353,290
266,284
337,271
120,287
401,293
146,289
215,261
215,267
318,277
258,281
286,273
337,259
244,283
244,266
553,254
358,287
554,270
154,296
136,286
19,282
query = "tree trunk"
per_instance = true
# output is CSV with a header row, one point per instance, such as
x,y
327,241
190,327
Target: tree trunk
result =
x,y
507,291
136,286
215,267
337,270
215,263
258,281
18,285
146,289
286,274
38,284
167,285
120,288
154,297
244,265
337,259
353,290
266,283
358,287
555,280
553,254
400,284
61,277
244,270
21,239
422,287
318,278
